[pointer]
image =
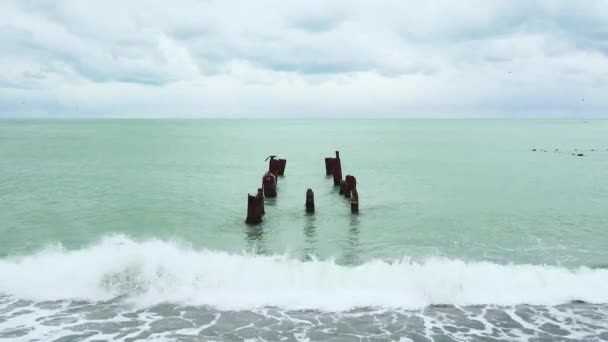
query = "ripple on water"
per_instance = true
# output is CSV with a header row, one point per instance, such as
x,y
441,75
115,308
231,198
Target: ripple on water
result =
x,y
170,324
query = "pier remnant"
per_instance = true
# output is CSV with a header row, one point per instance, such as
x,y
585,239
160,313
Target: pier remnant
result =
x,y
329,166
282,164
337,171
269,184
276,166
261,194
310,201
273,165
354,201
342,187
255,209
350,185
333,167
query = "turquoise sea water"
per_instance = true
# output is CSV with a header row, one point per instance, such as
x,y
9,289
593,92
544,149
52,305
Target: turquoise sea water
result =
x,y
470,189
452,212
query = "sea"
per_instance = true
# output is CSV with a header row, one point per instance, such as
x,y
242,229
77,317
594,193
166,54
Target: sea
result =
x,y
468,230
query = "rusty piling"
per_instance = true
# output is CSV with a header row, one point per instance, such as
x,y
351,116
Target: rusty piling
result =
x,y
351,184
329,166
354,201
254,209
310,201
261,194
282,164
273,165
337,170
342,187
276,166
269,184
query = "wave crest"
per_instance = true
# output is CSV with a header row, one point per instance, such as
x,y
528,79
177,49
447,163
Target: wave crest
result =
x,y
155,271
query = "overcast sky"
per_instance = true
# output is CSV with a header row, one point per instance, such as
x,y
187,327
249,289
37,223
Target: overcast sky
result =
x,y
512,58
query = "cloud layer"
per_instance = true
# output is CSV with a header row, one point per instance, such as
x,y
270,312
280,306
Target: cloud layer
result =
x,y
274,58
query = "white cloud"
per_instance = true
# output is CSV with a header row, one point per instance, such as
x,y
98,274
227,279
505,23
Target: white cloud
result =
x,y
310,58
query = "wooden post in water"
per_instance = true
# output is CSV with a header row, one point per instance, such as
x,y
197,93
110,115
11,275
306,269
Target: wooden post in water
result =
x,y
337,171
282,164
342,187
329,166
310,201
269,184
354,201
254,209
274,166
351,184
261,195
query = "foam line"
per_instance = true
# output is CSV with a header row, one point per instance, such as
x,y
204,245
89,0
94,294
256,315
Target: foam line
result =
x,y
156,271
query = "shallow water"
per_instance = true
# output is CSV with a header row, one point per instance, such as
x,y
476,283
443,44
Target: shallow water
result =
x,y
113,320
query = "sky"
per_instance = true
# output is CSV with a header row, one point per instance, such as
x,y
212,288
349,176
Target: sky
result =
x,y
280,58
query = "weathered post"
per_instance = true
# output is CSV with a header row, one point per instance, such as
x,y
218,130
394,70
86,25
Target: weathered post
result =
x,y
342,187
276,166
329,166
273,165
310,201
351,184
261,195
269,184
354,201
337,171
254,210
282,164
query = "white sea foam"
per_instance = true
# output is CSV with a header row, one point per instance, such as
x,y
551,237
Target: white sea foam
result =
x,y
156,271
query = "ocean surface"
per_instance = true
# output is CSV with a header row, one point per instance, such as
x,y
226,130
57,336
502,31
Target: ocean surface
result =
x,y
469,230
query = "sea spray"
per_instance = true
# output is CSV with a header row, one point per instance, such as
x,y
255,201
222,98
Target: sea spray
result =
x,y
156,271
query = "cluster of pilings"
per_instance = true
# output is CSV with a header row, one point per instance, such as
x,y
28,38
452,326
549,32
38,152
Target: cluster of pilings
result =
x,y
255,204
348,186
276,168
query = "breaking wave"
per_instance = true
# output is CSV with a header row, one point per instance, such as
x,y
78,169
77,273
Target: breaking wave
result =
x,y
155,271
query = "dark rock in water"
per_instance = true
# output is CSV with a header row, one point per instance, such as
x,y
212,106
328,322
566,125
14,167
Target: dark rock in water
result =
x,y
533,150
580,154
